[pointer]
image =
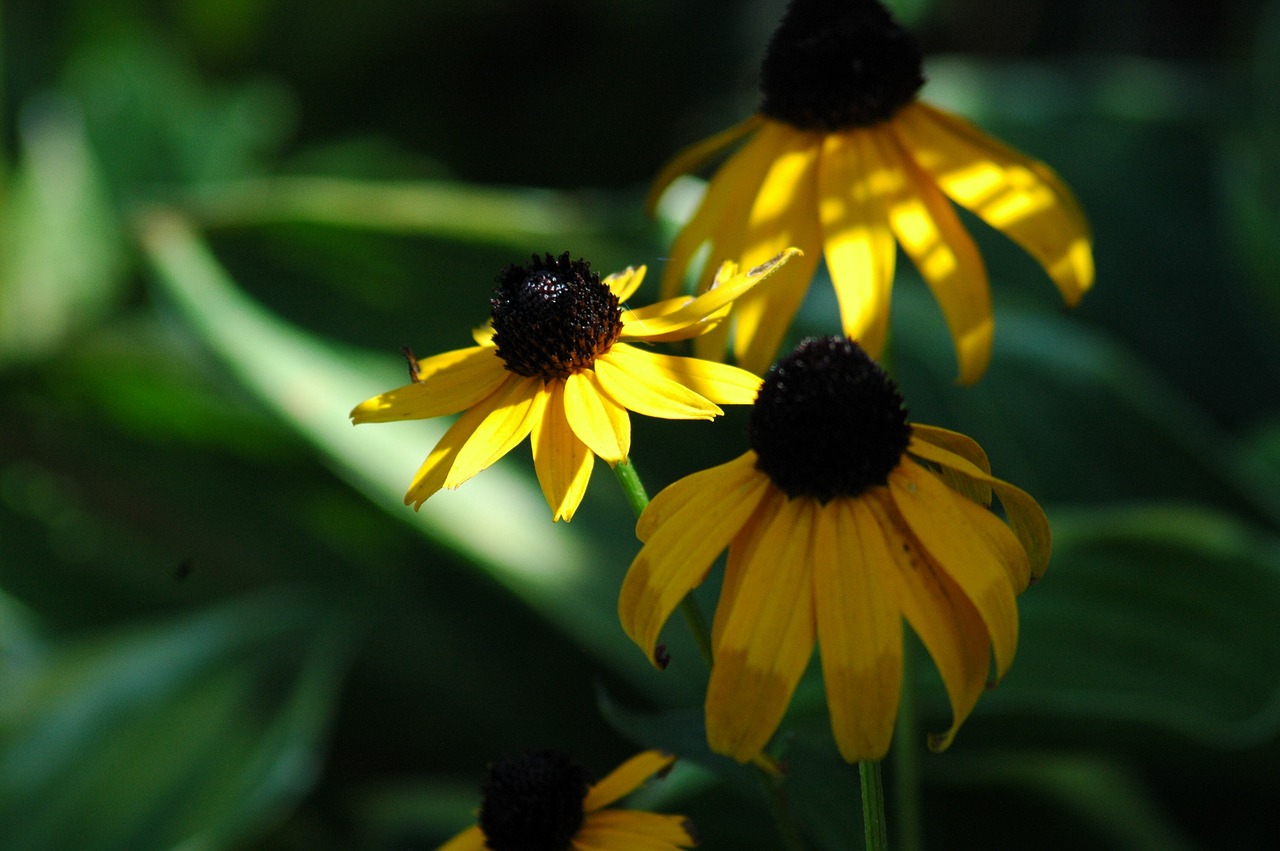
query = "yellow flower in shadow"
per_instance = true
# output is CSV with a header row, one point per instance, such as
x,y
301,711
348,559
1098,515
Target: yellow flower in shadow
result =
x,y
543,800
841,521
557,363
844,162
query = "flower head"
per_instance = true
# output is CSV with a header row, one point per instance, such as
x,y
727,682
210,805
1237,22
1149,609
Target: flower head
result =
x,y
556,361
842,520
543,801
842,157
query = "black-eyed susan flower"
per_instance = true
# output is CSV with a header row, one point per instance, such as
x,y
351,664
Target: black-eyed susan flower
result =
x,y
843,157
556,362
841,521
543,801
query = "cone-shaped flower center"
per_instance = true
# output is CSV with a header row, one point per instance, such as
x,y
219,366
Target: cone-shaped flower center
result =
x,y
553,317
533,802
838,64
828,422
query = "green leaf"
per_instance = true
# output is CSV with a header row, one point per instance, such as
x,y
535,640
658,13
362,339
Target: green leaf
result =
x,y
1156,617
61,254
197,733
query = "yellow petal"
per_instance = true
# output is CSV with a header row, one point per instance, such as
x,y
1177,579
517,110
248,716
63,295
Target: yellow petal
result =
x,y
955,442
684,528
1025,515
940,614
1013,193
471,839
931,234
631,830
598,421
859,628
447,383
562,461
693,157
721,218
625,283
509,422
784,214
625,374
855,185
768,638
971,544
433,472
681,318
483,334
626,778
717,382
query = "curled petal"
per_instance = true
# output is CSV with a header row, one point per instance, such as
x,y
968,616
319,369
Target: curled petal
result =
x,y
514,409
931,234
695,156
940,613
625,283
971,545
1011,192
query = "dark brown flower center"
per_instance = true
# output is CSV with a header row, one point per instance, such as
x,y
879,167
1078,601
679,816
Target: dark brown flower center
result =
x,y
838,64
553,317
533,802
828,422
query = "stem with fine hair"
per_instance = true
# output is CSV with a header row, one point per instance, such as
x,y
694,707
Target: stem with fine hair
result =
x,y
873,820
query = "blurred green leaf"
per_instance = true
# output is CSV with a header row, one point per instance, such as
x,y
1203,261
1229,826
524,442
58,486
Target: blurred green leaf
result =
x,y
1161,618
61,255
193,734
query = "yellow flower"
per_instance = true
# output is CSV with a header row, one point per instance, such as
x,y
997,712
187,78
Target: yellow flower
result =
x,y
840,521
555,362
543,801
842,157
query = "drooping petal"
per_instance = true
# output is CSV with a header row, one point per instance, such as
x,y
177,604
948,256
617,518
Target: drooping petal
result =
x,y
562,461
509,422
471,839
625,283
784,214
854,189
684,528
1013,193
931,234
1026,517
970,543
632,830
447,383
681,318
626,778
721,218
625,374
600,422
432,474
768,639
859,628
963,446
695,156
940,613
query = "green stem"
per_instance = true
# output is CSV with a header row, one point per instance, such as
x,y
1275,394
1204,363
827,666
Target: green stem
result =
x,y
638,497
689,608
873,820
906,759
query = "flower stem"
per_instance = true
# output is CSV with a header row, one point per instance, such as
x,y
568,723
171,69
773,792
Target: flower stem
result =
x,y
906,758
873,820
689,608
